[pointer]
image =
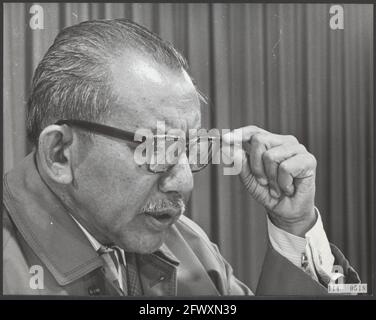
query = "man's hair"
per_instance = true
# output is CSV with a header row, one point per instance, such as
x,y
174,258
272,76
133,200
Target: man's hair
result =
x,y
73,80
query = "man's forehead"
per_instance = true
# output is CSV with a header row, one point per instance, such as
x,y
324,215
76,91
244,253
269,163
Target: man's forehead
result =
x,y
134,72
183,121
135,117
149,92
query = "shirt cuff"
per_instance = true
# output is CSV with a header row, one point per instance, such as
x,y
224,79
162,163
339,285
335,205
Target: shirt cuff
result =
x,y
311,253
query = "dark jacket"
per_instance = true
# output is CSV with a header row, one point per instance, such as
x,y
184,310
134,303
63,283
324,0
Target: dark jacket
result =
x,y
38,231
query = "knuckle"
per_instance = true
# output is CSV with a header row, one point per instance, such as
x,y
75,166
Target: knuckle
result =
x,y
257,139
255,128
302,148
313,160
283,167
310,160
292,139
267,156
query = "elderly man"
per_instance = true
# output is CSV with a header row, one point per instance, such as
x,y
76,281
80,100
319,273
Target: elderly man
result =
x,y
81,217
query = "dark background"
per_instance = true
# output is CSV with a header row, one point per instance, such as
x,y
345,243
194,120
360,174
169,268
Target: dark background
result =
x,y
278,66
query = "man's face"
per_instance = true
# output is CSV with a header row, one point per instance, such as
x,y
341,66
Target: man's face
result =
x,y
111,188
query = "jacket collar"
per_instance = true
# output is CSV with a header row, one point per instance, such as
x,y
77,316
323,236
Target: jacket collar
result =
x,y
49,229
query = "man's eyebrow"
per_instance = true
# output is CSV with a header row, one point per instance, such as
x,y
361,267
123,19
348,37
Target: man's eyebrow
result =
x,y
169,125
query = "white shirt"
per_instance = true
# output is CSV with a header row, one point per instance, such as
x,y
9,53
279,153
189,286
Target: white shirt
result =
x,y
314,247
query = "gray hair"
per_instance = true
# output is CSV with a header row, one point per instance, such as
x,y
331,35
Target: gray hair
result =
x,y
73,80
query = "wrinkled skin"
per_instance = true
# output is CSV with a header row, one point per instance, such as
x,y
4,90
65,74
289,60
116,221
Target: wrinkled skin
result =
x,y
108,193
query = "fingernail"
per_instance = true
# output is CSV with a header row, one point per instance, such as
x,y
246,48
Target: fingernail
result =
x,y
262,181
274,193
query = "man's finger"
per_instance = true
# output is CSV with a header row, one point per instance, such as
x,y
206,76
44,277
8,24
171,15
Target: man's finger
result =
x,y
245,134
299,166
242,134
271,161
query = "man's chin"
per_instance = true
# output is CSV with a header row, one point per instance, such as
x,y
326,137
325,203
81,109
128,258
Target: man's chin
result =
x,y
144,246
148,249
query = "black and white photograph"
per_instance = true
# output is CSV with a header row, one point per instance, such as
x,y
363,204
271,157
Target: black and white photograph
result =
x,y
188,150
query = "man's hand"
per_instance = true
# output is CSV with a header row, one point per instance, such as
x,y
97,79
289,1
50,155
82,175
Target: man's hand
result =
x,y
279,173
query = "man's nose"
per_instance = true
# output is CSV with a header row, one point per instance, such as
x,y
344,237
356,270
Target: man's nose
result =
x,y
179,178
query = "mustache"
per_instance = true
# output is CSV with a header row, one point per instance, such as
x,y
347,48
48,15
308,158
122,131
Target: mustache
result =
x,y
165,204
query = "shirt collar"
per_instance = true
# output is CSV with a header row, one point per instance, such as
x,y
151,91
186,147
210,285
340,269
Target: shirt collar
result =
x,y
94,242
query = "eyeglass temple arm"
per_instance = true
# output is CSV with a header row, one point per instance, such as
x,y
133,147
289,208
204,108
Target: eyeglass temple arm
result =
x,y
100,128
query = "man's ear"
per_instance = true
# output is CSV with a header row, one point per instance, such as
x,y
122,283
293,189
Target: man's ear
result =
x,y
54,152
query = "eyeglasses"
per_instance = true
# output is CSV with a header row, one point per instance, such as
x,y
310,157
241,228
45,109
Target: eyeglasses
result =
x,y
199,149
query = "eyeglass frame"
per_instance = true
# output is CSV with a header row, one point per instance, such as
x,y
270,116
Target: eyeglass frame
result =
x,y
128,136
